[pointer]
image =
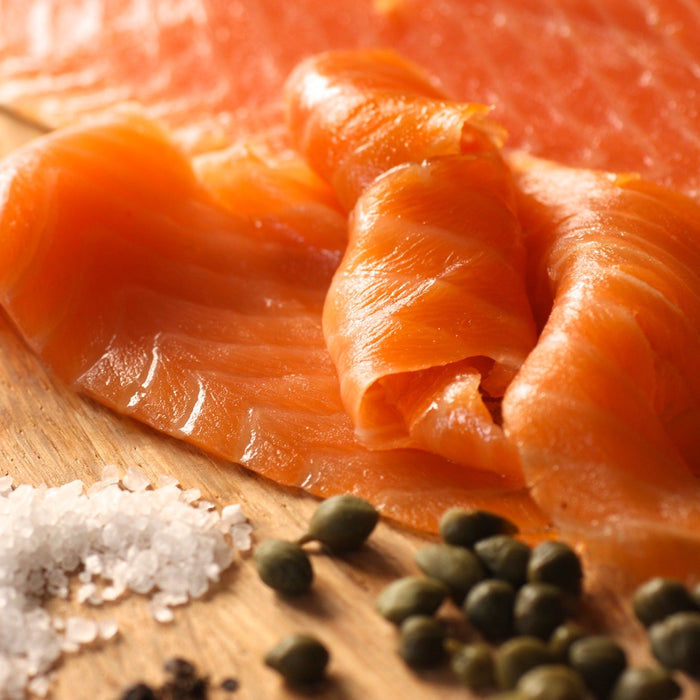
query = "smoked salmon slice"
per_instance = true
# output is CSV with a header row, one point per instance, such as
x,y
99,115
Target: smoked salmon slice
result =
x,y
353,115
605,411
427,319
198,312
428,310
592,83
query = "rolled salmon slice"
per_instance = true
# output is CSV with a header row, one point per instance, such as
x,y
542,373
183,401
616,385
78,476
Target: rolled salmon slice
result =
x,y
197,310
427,319
353,115
605,411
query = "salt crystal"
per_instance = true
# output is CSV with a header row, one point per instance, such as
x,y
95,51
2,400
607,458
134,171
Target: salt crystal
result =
x,y
69,647
39,686
112,593
80,631
108,629
191,495
5,485
160,542
92,564
165,480
135,480
110,473
170,599
85,592
241,536
232,514
161,613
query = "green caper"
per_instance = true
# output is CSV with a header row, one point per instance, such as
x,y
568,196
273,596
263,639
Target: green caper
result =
x,y
473,664
299,658
411,595
539,609
660,597
645,683
422,641
675,642
600,660
464,528
556,563
504,557
341,523
563,637
284,566
552,682
456,567
489,608
517,656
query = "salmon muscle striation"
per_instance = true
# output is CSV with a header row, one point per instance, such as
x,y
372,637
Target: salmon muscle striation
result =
x,y
355,114
427,319
605,411
197,310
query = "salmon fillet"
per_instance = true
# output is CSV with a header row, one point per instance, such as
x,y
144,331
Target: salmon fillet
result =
x,y
197,310
605,411
591,83
427,318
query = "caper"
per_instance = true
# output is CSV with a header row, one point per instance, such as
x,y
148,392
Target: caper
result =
x,y
675,642
284,566
466,527
517,656
556,563
539,609
552,682
411,595
341,523
600,661
660,597
422,641
563,637
489,608
504,557
299,658
473,664
456,567
645,683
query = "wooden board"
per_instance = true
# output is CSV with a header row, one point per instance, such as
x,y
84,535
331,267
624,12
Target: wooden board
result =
x,y
50,435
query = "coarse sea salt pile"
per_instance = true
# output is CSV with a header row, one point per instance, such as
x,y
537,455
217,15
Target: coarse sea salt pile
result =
x,y
121,534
